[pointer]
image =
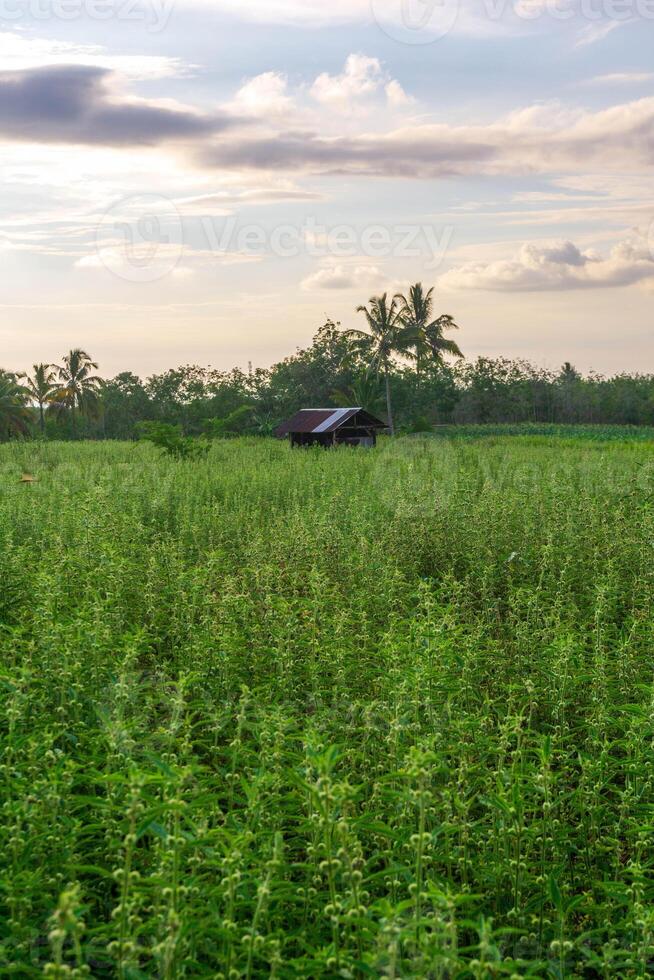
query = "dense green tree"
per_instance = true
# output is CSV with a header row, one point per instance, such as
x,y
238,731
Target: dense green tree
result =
x,y
125,402
179,386
309,377
339,367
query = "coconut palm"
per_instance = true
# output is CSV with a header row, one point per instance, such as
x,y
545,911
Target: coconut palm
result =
x,y
387,337
364,391
42,385
14,410
426,333
79,391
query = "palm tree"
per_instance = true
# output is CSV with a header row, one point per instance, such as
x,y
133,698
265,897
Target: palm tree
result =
x,y
42,386
80,390
363,391
14,410
386,337
426,333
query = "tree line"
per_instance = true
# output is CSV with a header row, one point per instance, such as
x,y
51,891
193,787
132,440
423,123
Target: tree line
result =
x,y
403,367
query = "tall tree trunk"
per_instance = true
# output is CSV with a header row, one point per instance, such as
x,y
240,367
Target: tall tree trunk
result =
x,y
388,400
420,359
73,416
41,418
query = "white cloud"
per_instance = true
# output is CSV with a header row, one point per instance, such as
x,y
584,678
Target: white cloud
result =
x,y
621,187
303,13
597,32
264,95
557,266
397,97
19,52
423,21
361,76
622,78
224,201
343,277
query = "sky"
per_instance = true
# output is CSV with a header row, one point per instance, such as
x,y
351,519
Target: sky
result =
x,y
207,181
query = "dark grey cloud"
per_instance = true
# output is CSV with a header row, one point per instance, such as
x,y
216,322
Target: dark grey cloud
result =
x,y
540,139
408,155
74,104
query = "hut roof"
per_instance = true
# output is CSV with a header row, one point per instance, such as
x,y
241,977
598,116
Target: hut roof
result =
x,y
318,420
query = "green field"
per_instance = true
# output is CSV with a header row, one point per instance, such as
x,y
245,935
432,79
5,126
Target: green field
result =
x,y
328,714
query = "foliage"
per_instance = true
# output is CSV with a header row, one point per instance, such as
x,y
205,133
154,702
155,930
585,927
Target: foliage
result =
x,y
309,377
79,390
542,433
387,336
14,411
364,391
424,331
400,361
42,385
293,714
234,424
169,438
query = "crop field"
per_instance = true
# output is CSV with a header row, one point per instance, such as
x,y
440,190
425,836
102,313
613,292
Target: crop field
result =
x,y
277,713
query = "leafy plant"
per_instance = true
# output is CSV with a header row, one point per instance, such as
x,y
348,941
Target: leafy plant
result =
x,y
14,410
347,714
79,389
231,425
385,338
170,439
426,333
42,385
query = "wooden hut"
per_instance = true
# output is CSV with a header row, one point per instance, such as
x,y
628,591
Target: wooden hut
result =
x,y
331,427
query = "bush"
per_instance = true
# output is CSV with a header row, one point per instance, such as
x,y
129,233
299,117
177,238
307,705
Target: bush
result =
x,y
171,440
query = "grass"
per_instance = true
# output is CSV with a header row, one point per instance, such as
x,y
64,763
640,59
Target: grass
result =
x,y
328,714
586,433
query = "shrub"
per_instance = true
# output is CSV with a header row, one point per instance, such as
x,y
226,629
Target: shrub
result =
x,y
171,440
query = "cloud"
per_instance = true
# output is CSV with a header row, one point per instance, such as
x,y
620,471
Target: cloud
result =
x,y
540,139
424,21
405,153
597,32
343,277
362,77
19,53
264,95
297,13
397,97
253,196
622,78
258,132
557,266
75,104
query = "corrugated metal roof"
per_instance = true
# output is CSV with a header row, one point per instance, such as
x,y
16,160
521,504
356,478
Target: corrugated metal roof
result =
x,y
305,420
337,418
323,420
